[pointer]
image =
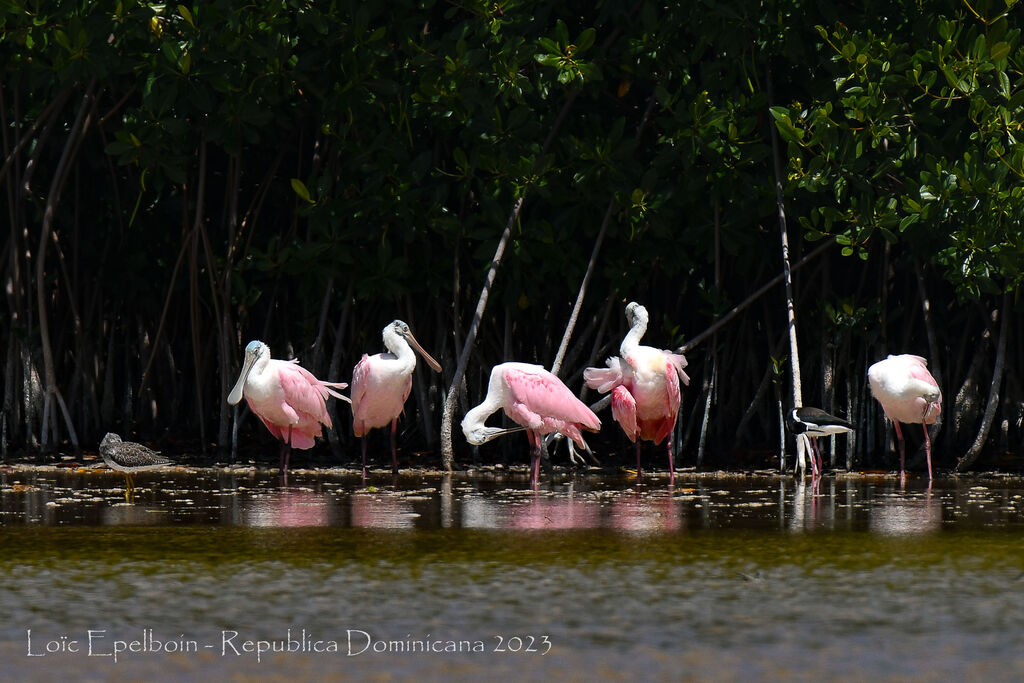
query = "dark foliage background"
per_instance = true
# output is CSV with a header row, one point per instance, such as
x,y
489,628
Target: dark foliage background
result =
x,y
179,179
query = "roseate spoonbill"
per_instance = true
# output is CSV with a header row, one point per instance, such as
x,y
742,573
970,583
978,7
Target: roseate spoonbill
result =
x,y
908,393
129,457
291,402
812,423
535,399
381,383
644,382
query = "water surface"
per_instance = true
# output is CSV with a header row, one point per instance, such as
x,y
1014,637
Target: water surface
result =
x,y
591,576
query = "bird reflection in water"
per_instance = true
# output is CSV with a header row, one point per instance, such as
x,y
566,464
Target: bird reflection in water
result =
x,y
556,513
906,514
646,514
809,512
288,508
382,511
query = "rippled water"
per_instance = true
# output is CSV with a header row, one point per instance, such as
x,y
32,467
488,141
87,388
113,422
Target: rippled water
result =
x,y
591,576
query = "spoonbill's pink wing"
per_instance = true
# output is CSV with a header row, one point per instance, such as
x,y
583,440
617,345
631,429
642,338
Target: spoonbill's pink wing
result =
x,y
919,370
378,393
304,393
604,379
678,362
657,429
624,411
544,395
360,382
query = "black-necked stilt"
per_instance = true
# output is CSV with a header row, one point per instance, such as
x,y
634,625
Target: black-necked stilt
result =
x,y
812,423
129,457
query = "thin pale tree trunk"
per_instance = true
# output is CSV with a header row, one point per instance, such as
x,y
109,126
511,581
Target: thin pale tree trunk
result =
x,y
447,451
787,272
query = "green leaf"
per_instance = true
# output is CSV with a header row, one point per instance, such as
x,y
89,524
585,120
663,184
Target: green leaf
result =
x,y
586,39
549,45
562,32
590,72
979,46
301,190
999,51
186,14
909,220
785,125
62,39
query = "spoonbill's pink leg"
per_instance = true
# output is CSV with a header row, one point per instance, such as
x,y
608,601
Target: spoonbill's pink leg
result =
x,y
394,448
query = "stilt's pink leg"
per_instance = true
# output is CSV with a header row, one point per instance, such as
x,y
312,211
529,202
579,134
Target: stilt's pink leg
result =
x,y
639,472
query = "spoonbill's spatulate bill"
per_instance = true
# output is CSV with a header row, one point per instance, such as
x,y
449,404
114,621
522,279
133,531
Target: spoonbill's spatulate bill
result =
x,y
644,382
908,393
129,457
291,402
813,423
381,384
534,398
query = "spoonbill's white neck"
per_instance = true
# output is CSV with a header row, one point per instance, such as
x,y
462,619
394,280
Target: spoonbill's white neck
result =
x,y
636,316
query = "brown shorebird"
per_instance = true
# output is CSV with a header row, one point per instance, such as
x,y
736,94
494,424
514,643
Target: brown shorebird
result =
x,y
129,457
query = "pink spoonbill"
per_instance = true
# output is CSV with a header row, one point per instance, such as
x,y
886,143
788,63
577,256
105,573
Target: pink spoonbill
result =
x,y
644,382
381,383
534,398
908,393
291,402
